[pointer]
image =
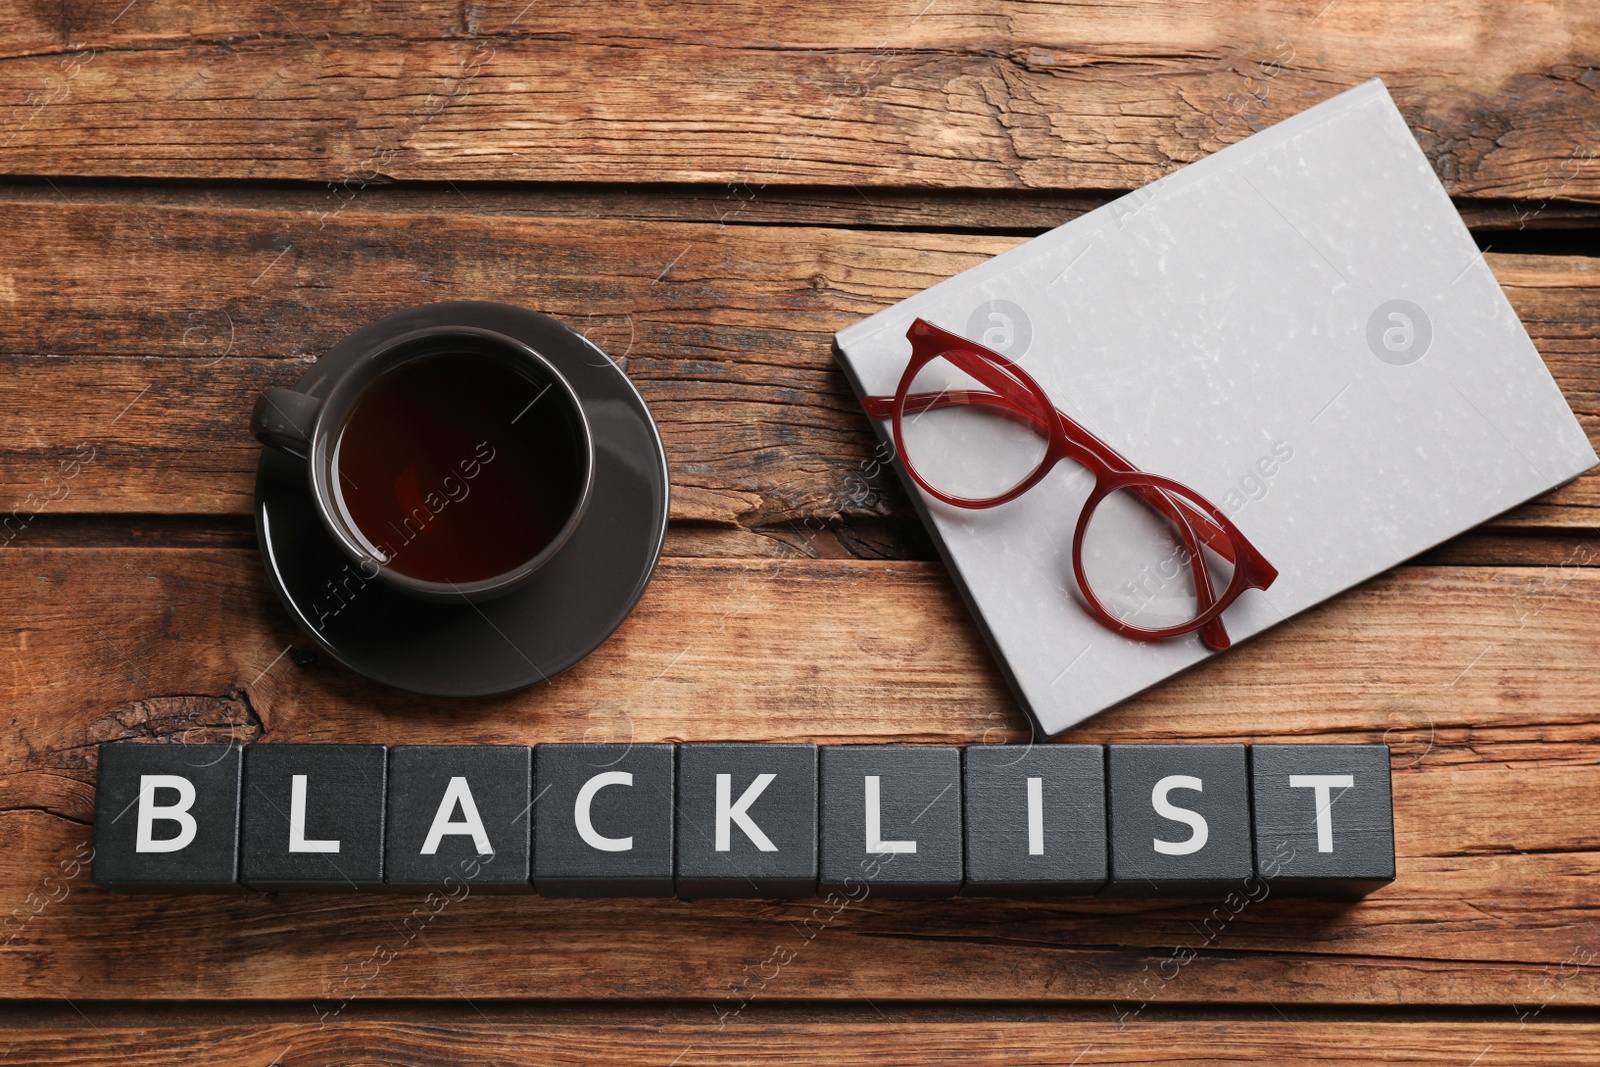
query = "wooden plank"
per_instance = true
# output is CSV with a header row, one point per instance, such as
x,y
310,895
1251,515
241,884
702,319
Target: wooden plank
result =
x,y
1480,678
725,329
1505,648
1509,225
1014,211
1511,547
753,1038
901,538
891,93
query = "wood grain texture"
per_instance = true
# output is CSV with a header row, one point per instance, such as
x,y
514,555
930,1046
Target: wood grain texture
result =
x,y
895,92
726,330
1545,221
753,1038
894,539
1478,677
710,196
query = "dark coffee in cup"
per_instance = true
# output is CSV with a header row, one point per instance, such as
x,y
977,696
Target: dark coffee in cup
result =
x,y
452,463
450,470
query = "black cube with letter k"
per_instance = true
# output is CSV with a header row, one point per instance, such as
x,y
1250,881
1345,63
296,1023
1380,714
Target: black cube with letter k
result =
x,y
747,820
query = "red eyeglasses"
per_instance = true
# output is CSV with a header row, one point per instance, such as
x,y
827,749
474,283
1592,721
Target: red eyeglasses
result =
x,y
974,430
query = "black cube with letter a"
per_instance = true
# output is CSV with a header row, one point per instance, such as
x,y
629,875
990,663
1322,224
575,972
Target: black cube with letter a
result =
x,y
459,815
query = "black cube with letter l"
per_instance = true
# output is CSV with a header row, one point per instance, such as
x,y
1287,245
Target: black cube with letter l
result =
x,y
313,817
166,818
1179,820
602,820
459,815
747,820
890,821
1324,818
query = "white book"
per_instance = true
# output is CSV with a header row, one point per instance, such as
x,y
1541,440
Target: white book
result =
x,y
1300,328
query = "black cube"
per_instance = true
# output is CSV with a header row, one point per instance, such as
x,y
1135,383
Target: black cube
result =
x,y
313,817
1035,820
1179,820
747,820
166,818
602,821
890,821
1324,818
459,815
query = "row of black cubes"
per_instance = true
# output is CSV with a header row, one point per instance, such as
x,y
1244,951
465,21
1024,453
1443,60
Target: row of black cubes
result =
x,y
1002,820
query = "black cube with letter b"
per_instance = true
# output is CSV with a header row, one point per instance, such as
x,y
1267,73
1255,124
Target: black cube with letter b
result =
x,y
166,818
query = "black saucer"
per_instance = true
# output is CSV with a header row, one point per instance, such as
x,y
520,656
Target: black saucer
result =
x,y
564,612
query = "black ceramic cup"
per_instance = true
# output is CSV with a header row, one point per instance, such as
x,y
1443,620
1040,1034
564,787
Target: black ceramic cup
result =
x,y
452,463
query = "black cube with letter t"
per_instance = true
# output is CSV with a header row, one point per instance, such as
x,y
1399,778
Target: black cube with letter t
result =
x,y
1324,818
747,820
459,815
166,818
602,820
1179,820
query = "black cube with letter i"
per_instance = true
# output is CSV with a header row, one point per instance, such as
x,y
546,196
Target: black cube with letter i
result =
x,y
1035,820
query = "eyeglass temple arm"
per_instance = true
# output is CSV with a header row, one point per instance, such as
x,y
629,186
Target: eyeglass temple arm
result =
x,y
1212,632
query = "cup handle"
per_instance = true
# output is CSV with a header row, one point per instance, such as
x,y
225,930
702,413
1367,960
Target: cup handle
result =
x,y
282,420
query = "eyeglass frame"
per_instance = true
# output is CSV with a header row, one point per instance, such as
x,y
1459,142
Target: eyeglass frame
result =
x,y
1066,439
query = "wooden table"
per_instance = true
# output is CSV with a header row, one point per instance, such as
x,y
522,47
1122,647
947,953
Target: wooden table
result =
x,y
205,197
